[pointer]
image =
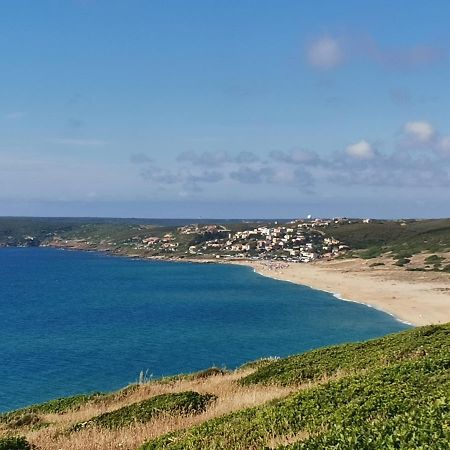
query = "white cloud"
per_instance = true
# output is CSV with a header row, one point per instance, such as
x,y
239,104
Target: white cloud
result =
x,y
419,131
444,145
78,142
325,53
361,150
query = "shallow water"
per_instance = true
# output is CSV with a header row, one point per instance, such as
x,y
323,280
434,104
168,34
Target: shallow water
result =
x,y
73,322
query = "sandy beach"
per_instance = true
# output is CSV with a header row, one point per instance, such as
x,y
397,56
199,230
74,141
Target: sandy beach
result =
x,y
419,298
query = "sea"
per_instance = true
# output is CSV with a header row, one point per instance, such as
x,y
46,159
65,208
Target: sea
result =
x,y
77,322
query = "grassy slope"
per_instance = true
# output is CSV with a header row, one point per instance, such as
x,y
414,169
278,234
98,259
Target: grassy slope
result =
x,y
392,392
409,237
354,357
179,403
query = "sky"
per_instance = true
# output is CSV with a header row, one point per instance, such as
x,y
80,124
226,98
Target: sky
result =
x,y
225,108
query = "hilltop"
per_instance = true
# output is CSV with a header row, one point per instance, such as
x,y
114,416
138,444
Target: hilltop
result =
x,y
391,392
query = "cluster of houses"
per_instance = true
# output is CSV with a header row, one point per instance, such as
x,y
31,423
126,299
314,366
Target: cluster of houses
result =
x,y
202,229
296,241
165,244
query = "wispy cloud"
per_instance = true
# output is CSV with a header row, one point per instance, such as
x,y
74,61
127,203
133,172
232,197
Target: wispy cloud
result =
x,y
325,53
216,158
140,158
296,156
330,51
77,142
15,115
359,164
402,58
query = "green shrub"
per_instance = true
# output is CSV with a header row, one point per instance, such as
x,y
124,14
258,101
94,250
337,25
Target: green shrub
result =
x,y
211,372
15,443
29,416
188,402
434,259
402,261
372,252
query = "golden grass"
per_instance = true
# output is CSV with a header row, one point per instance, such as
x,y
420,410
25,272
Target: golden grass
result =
x,y
230,397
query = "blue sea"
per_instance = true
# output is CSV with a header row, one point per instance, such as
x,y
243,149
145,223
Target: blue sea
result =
x,y
74,322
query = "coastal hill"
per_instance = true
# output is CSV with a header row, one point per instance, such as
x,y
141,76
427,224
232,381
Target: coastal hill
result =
x,y
414,245
390,393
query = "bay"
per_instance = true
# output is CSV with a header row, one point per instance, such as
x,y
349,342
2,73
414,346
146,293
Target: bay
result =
x,y
76,322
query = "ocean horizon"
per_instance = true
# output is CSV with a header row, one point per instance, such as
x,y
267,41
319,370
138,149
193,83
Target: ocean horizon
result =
x,y
76,322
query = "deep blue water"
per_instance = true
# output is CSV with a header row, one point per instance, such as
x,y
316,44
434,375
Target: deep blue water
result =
x,y
73,322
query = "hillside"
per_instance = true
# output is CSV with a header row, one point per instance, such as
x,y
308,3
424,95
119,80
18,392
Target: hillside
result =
x,y
401,238
417,245
390,393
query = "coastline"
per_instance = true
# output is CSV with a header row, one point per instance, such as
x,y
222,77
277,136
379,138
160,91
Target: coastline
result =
x,y
409,298
414,298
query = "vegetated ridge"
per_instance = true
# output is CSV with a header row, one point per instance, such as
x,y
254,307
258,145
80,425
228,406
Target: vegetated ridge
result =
x,y
416,245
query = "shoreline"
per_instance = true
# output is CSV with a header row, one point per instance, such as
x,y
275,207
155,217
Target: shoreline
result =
x,y
395,292
412,298
339,297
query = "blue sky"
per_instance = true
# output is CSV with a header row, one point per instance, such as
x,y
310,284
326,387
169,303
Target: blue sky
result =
x,y
224,108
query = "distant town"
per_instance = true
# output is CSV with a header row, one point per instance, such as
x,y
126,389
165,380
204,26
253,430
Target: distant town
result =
x,y
295,241
413,244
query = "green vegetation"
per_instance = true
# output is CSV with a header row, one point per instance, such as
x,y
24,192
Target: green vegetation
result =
x,y
404,406
29,416
390,393
402,261
434,259
372,252
15,443
350,358
402,238
179,403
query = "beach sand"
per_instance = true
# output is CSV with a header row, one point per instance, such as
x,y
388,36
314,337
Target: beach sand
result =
x,y
418,298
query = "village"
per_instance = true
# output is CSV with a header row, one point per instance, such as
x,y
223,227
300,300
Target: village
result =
x,y
296,241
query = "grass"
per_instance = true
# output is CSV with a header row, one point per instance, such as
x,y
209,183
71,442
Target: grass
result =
x,y
230,397
178,403
31,414
402,238
389,402
383,403
350,358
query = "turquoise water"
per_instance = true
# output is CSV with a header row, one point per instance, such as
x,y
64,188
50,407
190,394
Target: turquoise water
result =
x,y
73,322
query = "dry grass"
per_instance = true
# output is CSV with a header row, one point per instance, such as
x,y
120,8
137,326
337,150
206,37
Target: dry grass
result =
x,y
278,441
230,397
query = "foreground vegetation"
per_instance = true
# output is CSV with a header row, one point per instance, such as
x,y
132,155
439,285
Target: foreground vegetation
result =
x,y
179,403
388,393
